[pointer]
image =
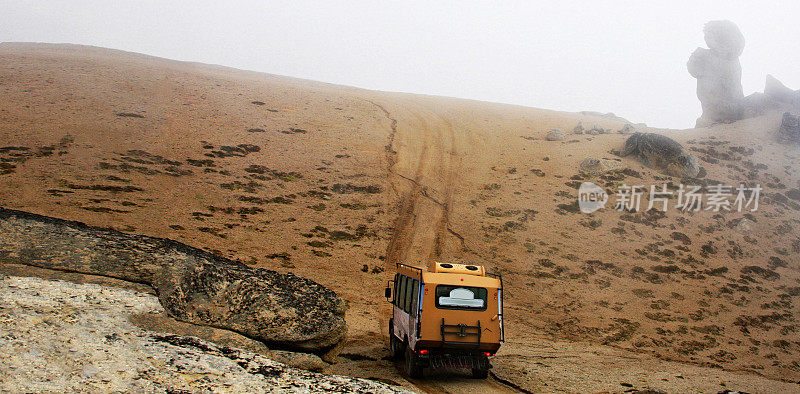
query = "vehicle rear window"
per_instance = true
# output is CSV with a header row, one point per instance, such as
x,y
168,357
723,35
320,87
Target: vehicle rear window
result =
x,y
461,297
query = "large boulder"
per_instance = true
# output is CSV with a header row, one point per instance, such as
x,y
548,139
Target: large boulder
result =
x,y
790,128
555,135
283,310
719,74
662,154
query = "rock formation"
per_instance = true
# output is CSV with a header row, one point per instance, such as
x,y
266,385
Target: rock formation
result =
x,y
719,80
555,135
790,128
627,129
663,154
719,74
777,91
193,285
596,129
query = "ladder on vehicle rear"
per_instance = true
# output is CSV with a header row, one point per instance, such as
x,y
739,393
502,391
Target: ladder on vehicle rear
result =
x,y
462,330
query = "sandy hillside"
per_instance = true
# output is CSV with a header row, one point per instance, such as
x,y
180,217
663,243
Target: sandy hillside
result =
x,y
338,184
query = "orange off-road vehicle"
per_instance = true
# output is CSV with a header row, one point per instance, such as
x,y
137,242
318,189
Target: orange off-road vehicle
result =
x,y
448,315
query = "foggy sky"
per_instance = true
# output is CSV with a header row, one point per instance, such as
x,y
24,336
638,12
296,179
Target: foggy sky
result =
x,y
623,57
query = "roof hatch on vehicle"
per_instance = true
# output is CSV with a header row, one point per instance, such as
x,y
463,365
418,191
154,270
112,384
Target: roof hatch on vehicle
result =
x,y
453,268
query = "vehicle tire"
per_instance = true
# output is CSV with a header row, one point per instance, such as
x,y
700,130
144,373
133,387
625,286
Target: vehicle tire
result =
x,y
413,368
395,346
480,373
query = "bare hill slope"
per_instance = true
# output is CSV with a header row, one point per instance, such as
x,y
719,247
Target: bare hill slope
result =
x,y
337,184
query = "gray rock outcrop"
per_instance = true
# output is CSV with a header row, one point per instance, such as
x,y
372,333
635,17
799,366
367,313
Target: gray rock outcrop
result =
x,y
627,129
719,74
790,128
555,135
776,97
283,310
777,91
596,129
662,154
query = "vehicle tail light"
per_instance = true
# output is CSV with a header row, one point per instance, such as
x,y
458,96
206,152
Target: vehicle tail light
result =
x,y
488,354
423,352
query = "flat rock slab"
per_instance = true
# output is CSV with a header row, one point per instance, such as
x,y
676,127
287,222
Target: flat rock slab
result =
x,y
283,310
63,337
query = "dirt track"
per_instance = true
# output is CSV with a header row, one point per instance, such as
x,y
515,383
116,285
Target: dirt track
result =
x,y
424,157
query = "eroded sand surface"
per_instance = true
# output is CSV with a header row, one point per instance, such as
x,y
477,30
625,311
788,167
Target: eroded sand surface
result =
x,y
338,184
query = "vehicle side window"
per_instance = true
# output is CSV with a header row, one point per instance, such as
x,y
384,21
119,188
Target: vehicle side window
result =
x,y
401,296
407,301
396,287
414,297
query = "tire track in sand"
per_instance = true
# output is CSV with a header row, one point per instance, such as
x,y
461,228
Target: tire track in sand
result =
x,y
407,197
424,166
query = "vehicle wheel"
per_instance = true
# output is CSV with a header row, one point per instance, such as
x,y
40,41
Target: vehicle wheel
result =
x,y
395,346
413,368
480,373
